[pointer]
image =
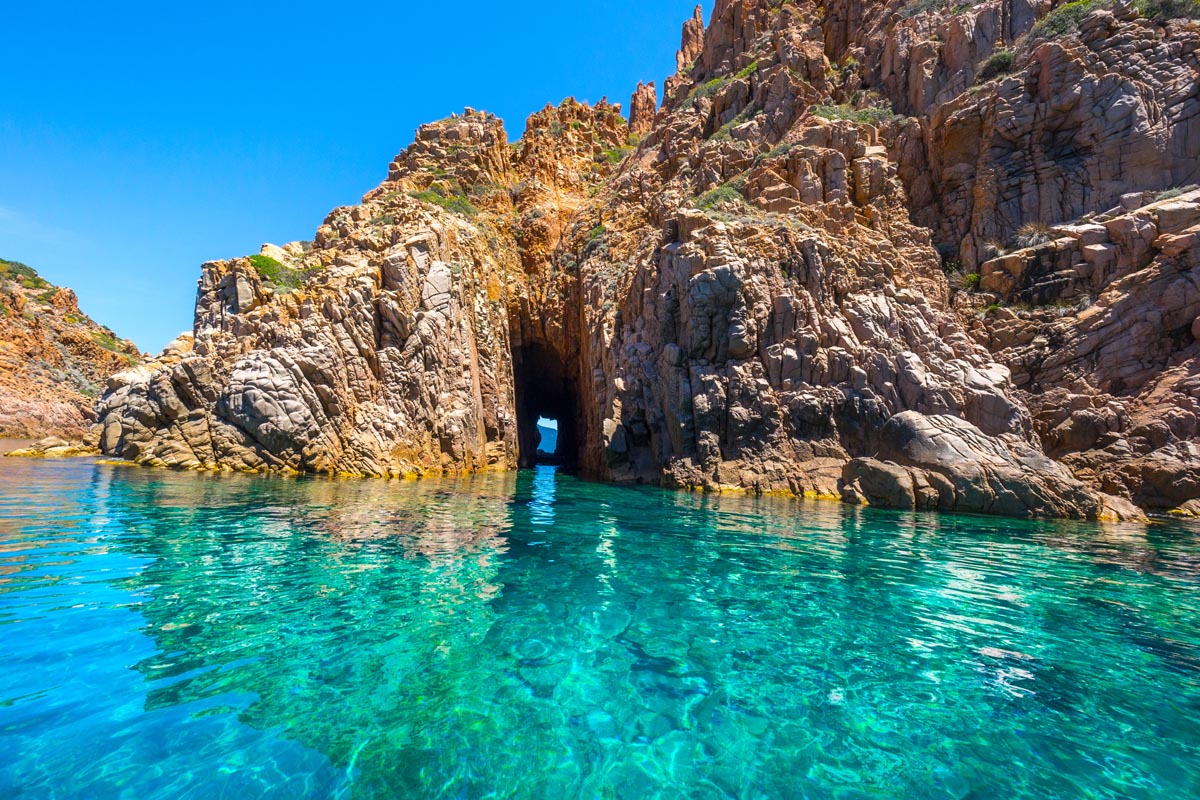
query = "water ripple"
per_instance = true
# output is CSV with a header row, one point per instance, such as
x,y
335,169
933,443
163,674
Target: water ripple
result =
x,y
174,635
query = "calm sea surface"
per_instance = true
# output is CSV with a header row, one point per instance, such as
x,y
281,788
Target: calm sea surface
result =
x,y
169,635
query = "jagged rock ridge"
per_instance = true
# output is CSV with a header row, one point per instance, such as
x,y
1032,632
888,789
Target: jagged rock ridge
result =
x,y
730,292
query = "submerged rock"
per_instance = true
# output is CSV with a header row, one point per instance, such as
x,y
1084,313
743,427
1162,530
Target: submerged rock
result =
x,y
54,447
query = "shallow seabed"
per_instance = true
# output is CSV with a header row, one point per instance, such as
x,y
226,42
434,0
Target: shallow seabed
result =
x,y
169,635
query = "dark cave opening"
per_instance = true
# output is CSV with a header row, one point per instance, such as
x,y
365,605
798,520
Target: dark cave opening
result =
x,y
545,390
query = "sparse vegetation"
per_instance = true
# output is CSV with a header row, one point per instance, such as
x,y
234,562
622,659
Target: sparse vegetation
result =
x,y
23,274
993,249
455,202
108,340
781,149
871,115
997,64
1166,10
748,70
918,7
708,89
1176,191
597,241
727,194
281,276
1031,234
1066,18
614,156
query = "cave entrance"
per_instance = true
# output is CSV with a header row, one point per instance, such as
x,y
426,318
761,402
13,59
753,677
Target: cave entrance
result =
x,y
547,408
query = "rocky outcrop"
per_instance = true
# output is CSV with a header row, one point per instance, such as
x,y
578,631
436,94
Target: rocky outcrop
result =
x,y
945,463
1028,112
1099,325
54,447
642,109
742,289
53,358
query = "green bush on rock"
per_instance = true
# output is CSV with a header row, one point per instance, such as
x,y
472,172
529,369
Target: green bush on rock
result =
x,y
280,275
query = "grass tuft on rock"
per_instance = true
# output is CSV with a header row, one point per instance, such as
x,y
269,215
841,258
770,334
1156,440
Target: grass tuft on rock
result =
x,y
1031,234
283,277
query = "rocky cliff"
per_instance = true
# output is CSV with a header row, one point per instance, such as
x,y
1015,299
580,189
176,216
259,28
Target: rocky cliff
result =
x,y
53,358
906,253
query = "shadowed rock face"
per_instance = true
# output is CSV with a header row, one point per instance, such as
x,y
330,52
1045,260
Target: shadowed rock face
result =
x,y
730,294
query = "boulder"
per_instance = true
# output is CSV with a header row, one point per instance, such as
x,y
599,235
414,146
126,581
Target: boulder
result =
x,y
943,462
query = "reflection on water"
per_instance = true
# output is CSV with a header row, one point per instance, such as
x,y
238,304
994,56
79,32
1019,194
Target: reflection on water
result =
x,y
530,635
8,445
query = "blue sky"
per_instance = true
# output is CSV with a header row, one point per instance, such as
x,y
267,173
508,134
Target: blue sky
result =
x,y
138,140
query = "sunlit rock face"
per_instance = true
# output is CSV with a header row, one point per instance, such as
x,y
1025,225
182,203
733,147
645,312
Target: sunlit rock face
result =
x,y
53,359
742,287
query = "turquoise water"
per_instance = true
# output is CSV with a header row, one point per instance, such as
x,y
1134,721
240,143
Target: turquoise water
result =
x,y
171,635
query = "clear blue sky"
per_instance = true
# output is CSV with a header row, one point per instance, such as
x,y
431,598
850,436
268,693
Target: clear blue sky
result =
x,y
138,139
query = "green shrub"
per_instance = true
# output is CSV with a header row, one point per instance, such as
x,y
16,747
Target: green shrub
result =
x,y
614,156
918,7
275,272
971,281
458,203
709,89
727,194
997,64
1165,10
781,149
748,70
871,115
597,241
283,277
107,339
23,274
1065,19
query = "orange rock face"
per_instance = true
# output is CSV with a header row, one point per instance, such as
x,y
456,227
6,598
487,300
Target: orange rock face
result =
x,y
794,276
53,359
642,109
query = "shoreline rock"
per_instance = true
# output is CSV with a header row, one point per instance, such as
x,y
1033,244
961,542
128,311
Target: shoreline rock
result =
x,y
54,447
740,290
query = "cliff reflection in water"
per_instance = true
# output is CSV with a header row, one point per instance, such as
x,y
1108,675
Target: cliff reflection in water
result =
x,y
534,635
